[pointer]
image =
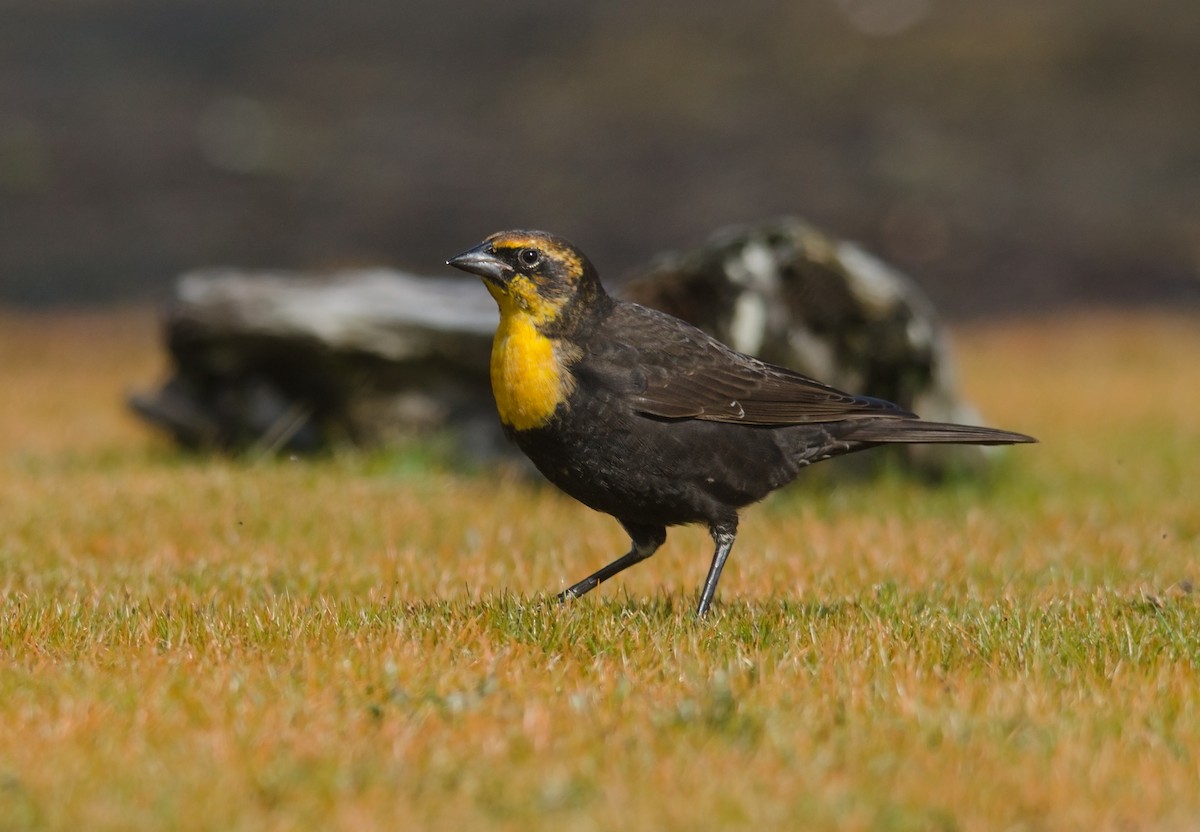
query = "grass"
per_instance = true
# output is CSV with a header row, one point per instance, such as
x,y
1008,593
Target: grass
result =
x,y
361,642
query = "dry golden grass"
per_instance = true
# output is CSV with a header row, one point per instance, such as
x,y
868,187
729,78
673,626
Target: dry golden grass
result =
x,y
361,642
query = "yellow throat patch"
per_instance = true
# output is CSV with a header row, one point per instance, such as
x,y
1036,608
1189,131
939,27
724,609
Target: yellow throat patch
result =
x,y
529,377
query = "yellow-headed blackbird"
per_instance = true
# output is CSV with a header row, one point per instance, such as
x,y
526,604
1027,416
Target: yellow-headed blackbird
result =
x,y
642,416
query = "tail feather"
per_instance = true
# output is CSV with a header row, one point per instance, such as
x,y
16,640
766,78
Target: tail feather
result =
x,y
917,431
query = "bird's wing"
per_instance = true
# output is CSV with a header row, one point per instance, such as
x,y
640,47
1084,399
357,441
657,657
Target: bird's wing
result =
x,y
667,368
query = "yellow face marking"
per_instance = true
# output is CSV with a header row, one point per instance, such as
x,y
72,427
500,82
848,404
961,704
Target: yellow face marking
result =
x,y
551,248
530,372
520,296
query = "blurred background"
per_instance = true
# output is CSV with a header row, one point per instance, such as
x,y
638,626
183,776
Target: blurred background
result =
x,y
1011,156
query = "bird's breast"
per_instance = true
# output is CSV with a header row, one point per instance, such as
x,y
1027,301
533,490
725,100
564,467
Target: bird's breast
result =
x,y
530,375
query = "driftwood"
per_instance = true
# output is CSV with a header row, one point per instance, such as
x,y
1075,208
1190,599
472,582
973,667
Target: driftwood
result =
x,y
282,361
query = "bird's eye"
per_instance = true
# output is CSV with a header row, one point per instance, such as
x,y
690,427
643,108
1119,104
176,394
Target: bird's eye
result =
x,y
529,257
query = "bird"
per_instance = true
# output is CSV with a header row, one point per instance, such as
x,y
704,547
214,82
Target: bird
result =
x,y
642,416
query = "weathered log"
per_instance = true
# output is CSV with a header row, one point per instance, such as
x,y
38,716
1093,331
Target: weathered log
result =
x,y
276,360
273,361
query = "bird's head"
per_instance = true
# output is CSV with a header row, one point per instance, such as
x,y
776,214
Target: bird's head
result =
x,y
533,273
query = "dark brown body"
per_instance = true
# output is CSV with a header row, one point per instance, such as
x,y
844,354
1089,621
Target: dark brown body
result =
x,y
657,423
657,470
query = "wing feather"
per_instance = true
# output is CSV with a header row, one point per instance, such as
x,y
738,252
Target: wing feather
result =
x,y
668,369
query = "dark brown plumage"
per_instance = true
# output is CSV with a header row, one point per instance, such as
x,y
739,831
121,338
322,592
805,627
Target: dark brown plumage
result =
x,y
642,416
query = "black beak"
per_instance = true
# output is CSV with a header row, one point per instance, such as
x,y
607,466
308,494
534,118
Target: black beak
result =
x,y
481,261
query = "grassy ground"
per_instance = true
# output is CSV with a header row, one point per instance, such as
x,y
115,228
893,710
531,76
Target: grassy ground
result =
x,y
361,643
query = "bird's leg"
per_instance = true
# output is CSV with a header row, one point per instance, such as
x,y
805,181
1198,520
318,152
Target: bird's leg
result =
x,y
646,540
723,535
